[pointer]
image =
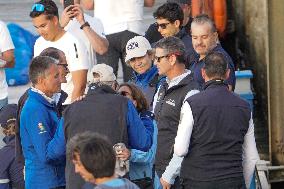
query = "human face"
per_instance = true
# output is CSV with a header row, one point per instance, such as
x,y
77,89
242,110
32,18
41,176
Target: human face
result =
x,y
161,61
63,68
203,39
141,64
79,168
51,81
46,27
126,91
166,28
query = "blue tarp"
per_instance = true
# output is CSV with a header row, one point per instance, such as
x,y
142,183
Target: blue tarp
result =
x,y
24,43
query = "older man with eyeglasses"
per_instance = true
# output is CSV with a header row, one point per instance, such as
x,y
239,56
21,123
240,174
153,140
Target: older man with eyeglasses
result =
x,y
170,61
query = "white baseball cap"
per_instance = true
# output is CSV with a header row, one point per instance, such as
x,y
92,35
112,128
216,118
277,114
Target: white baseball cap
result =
x,y
137,47
104,71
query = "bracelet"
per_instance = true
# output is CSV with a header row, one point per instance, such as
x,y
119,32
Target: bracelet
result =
x,y
84,25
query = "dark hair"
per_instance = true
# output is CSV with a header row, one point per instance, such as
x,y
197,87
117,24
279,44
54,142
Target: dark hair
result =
x,y
202,19
137,95
53,53
50,9
38,67
216,65
95,151
173,45
169,11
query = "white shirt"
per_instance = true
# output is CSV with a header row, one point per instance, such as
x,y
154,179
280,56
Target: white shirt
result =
x,y
6,44
120,15
76,57
182,141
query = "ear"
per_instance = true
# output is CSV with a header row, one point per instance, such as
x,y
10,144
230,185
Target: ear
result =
x,y
172,60
135,103
227,75
177,23
216,37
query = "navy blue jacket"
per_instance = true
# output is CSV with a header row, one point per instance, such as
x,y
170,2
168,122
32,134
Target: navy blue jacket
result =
x,y
11,171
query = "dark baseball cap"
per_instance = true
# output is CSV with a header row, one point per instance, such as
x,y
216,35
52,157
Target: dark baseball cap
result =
x,y
179,1
7,113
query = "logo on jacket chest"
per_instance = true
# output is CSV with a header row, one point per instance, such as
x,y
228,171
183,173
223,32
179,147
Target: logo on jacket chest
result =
x,y
171,102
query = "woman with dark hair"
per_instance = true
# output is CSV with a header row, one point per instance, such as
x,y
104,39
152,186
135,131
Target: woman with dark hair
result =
x,y
141,163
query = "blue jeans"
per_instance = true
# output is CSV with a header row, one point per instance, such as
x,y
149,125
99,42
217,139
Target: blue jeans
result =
x,y
3,102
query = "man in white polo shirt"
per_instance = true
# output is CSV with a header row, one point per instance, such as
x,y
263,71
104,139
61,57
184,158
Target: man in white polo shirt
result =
x,y
45,18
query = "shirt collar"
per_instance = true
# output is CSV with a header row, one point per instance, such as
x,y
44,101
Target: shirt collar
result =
x,y
177,79
50,100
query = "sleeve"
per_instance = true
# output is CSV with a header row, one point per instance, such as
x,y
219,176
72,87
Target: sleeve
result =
x,y
57,147
6,42
146,157
185,127
98,27
155,99
190,93
173,169
250,154
78,57
139,136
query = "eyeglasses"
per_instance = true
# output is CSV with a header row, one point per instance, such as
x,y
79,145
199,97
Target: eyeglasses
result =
x,y
64,65
38,7
158,59
163,25
124,93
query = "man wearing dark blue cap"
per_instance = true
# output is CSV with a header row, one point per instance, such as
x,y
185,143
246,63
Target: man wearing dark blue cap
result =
x,y
11,172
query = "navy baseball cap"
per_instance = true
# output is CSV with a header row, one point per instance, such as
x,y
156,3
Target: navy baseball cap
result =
x,y
179,1
8,113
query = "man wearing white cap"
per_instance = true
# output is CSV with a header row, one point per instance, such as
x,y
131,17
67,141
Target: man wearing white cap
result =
x,y
105,112
139,57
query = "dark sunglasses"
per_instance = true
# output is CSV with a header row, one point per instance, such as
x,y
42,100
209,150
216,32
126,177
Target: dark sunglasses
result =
x,y
64,65
124,93
163,25
38,7
158,59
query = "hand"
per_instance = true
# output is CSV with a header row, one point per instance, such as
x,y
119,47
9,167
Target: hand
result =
x,y
165,184
79,98
67,15
123,154
78,13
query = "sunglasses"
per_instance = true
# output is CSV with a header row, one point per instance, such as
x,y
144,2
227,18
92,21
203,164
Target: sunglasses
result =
x,y
38,7
158,59
64,65
124,93
163,25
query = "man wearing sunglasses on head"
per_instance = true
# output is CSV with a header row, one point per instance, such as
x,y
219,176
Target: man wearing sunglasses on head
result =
x,y
169,19
45,19
179,85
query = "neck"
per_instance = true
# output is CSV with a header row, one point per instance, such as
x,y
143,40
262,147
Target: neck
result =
x,y
59,33
185,21
102,180
179,70
39,87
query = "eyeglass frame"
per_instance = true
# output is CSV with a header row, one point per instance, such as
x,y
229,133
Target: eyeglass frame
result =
x,y
158,59
163,25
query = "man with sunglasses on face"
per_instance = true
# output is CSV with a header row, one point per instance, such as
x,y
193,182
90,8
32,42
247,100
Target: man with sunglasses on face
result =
x,y
45,18
169,19
152,33
179,85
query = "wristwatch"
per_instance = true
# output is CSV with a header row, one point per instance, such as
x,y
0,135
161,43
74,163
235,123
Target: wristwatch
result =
x,y
84,25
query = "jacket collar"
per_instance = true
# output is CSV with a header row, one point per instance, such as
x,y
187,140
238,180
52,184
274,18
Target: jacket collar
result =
x,y
95,88
148,75
215,83
40,98
9,140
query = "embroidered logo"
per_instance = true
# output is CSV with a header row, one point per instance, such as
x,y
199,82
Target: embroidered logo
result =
x,y
132,46
171,102
41,128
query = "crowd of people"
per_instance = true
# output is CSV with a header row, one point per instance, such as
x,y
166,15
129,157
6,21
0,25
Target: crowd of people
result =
x,y
174,122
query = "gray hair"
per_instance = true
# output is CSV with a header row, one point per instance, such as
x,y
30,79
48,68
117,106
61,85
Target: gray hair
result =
x,y
173,45
39,66
203,19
